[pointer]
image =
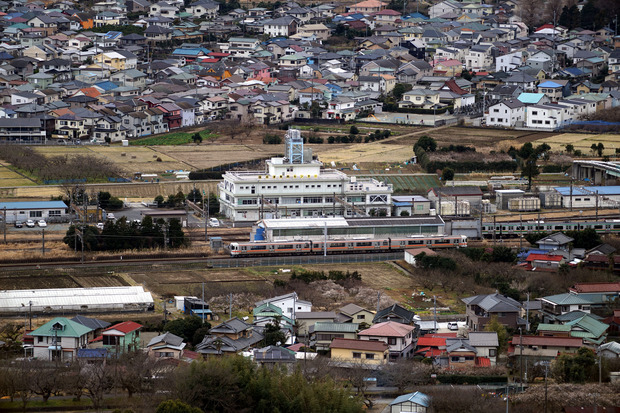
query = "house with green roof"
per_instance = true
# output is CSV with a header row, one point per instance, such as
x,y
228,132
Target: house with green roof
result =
x,y
322,334
59,339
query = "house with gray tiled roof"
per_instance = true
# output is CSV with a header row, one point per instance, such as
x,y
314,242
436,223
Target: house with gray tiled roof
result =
x,y
231,337
481,308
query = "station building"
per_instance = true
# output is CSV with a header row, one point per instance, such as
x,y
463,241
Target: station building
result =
x,y
316,229
35,210
297,185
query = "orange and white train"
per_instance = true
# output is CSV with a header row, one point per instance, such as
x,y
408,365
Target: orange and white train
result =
x,y
349,246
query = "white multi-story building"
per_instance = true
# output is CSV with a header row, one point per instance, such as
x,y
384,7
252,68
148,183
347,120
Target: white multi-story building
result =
x,y
298,186
547,116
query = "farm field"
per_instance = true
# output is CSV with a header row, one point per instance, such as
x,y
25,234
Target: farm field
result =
x,y
583,142
11,178
178,138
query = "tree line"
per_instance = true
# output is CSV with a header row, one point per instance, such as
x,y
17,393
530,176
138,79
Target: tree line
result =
x,y
79,167
124,235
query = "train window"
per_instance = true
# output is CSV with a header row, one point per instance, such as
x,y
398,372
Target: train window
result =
x,y
364,244
558,227
258,247
418,242
385,243
337,245
284,247
598,227
616,226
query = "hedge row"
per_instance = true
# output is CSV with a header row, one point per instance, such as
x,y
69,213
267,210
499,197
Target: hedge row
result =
x,y
463,379
468,166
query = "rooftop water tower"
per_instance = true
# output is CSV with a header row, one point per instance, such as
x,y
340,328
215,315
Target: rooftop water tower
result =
x,y
294,146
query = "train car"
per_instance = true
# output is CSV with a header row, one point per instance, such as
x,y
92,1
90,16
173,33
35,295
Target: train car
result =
x,y
367,245
514,229
249,249
419,241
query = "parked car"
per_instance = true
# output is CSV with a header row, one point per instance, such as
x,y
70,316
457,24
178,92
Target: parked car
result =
x,y
110,216
41,223
214,222
18,224
100,225
453,326
30,223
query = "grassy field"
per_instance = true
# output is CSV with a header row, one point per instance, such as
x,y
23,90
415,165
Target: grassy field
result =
x,y
176,138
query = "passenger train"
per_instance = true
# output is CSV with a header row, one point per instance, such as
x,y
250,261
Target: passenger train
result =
x,y
260,248
514,229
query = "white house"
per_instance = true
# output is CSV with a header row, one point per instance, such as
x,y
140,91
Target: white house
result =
x,y
508,62
444,7
290,304
486,344
547,116
505,114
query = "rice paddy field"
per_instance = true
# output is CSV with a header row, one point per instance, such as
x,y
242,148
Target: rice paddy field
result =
x,y
9,178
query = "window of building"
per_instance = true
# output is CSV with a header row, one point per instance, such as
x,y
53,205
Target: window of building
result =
x,y
357,355
392,341
370,356
55,213
36,214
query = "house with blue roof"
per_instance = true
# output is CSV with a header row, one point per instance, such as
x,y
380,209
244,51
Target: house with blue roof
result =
x,y
551,89
35,210
533,98
411,402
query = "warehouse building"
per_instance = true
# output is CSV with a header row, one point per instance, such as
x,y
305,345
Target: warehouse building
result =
x,y
72,300
54,211
586,197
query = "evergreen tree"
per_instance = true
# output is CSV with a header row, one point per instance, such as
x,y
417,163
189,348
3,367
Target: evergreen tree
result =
x,y
176,236
589,14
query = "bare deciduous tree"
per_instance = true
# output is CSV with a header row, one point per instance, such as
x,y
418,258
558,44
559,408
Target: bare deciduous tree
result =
x,y
98,381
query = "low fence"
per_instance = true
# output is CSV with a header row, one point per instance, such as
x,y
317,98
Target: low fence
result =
x,y
305,259
593,125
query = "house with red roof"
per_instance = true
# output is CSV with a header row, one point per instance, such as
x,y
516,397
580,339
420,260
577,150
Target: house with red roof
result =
x,y
120,338
431,346
400,338
544,262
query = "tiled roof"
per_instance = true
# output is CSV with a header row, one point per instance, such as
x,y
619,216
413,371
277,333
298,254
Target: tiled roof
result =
x,y
547,341
352,344
387,329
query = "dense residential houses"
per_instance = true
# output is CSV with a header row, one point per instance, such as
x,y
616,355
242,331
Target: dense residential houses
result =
x,y
451,60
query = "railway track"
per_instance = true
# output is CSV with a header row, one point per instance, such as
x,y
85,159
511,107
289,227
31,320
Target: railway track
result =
x,y
212,261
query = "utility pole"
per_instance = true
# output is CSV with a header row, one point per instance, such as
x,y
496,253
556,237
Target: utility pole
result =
x,y
165,311
230,307
435,313
84,200
203,302
43,241
205,209
596,203
4,223
521,355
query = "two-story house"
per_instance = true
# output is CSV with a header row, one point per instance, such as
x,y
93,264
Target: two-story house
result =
x,y
290,304
505,114
394,313
122,337
355,314
481,308
322,333
230,337
400,338
59,339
